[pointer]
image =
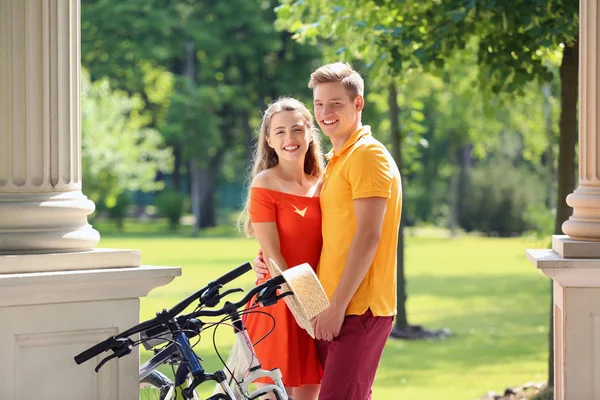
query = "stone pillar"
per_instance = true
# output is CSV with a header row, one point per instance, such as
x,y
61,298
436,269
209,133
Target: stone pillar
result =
x,y
48,318
584,224
574,261
42,208
58,294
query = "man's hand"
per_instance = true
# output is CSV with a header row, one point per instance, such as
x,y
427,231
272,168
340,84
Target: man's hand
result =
x,y
327,325
259,266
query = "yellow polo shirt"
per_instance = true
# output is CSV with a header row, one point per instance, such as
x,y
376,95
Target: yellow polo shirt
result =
x,y
363,168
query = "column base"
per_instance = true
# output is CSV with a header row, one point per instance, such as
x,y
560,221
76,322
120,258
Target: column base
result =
x,y
49,317
584,224
82,260
576,313
569,247
47,222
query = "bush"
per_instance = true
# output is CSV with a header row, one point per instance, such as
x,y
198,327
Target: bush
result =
x,y
498,198
169,204
545,394
118,210
540,220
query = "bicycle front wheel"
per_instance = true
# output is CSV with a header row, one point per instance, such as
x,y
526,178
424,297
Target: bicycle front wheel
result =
x,y
156,386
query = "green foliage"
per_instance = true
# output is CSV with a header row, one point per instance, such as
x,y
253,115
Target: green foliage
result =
x,y
498,197
512,37
545,394
414,101
238,63
440,115
118,211
536,116
540,221
476,49
118,154
205,71
169,204
120,41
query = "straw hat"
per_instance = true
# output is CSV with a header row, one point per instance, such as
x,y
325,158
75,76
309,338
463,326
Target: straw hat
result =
x,y
309,298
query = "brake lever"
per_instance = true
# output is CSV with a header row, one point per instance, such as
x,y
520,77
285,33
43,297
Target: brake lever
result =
x,y
211,297
281,296
230,291
104,361
268,296
123,347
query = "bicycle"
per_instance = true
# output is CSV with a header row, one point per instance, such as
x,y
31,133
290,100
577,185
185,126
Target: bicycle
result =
x,y
177,330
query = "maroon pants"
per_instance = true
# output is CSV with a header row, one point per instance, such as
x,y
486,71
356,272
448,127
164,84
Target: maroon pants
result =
x,y
351,359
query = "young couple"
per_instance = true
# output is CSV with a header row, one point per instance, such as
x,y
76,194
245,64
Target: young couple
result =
x,y
342,220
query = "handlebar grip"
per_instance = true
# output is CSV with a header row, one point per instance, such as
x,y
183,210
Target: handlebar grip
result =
x,y
93,351
234,274
278,280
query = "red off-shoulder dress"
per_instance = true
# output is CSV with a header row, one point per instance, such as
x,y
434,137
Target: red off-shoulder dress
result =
x,y
289,347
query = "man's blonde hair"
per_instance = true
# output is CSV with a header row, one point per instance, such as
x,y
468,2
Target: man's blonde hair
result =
x,y
339,72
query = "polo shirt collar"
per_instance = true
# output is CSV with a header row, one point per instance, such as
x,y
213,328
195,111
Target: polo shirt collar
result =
x,y
360,132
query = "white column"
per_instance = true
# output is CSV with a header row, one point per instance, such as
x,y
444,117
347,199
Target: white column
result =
x,y
42,207
584,224
574,261
58,294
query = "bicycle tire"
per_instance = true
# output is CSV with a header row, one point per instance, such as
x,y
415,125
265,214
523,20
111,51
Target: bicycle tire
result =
x,y
156,386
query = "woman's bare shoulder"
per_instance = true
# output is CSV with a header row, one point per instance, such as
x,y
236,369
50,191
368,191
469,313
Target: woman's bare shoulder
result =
x,y
266,179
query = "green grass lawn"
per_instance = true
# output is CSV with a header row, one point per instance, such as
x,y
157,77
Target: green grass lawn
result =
x,y
483,289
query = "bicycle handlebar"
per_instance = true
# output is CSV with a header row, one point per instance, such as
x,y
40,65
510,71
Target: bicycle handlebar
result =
x,y
113,342
271,283
222,281
95,350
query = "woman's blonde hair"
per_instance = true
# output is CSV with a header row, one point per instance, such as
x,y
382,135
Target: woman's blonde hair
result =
x,y
264,157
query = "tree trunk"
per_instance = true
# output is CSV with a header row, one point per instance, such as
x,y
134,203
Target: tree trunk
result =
x,y
401,295
396,139
207,205
568,134
177,167
465,161
195,191
549,155
248,131
208,186
454,185
195,194
209,174
569,70
248,141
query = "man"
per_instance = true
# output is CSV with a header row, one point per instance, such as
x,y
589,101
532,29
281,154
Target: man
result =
x,y
361,206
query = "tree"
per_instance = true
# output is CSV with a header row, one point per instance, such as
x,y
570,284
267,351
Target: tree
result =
x,y
118,153
512,40
225,59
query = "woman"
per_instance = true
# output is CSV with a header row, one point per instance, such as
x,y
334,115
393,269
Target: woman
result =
x,y
284,214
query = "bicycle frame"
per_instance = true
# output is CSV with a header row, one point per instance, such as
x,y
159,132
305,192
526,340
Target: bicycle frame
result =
x,y
242,342
189,364
174,351
251,365
158,359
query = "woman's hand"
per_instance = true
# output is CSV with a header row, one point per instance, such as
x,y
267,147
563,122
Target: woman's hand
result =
x,y
259,266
